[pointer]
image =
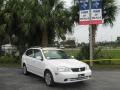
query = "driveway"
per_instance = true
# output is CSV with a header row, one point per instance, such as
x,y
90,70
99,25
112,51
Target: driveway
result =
x,y
13,79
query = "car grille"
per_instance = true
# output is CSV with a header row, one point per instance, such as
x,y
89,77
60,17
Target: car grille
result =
x,y
78,69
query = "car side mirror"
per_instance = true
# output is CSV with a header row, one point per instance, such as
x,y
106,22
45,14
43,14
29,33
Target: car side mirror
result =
x,y
39,58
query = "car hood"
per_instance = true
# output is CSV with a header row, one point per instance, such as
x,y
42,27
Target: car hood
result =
x,y
71,63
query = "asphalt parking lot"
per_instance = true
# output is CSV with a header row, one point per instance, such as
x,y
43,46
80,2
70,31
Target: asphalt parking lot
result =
x,y
13,79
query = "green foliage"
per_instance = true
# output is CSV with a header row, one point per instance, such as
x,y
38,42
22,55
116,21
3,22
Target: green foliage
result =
x,y
110,9
111,53
9,59
103,56
84,53
72,52
23,22
98,53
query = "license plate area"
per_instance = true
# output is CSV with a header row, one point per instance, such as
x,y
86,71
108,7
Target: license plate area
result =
x,y
81,76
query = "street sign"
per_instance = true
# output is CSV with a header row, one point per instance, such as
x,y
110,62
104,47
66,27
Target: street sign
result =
x,y
84,12
90,13
96,12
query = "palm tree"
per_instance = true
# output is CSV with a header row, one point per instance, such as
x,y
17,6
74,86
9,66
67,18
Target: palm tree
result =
x,y
109,8
56,18
13,20
1,22
50,18
34,22
12,17
2,25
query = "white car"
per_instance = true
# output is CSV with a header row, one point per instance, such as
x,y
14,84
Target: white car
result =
x,y
54,66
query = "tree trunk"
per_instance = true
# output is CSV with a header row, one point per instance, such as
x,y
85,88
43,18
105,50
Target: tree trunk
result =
x,y
94,29
0,48
44,38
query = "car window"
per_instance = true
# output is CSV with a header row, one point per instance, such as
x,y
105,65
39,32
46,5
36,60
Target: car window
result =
x,y
37,53
30,53
55,54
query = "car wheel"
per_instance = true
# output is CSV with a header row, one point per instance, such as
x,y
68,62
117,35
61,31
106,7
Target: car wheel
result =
x,y
25,72
49,79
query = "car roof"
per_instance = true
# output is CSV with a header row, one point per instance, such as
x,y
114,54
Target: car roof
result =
x,y
51,48
45,48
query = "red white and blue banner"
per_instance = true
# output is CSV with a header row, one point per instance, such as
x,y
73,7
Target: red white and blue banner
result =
x,y
96,12
84,12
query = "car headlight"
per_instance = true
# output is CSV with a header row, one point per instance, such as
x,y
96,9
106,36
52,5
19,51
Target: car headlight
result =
x,y
63,69
87,67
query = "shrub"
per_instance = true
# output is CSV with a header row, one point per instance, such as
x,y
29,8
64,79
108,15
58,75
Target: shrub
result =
x,y
9,59
84,53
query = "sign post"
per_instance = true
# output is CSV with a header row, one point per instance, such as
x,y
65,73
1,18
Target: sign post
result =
x,y
90,36
90,13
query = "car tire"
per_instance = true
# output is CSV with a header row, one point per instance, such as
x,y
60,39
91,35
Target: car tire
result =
x,y
25,72
48,78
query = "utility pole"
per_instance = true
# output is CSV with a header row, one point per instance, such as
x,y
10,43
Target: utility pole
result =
x,y
90,36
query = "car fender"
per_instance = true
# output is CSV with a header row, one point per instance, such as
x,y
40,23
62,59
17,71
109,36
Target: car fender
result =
x,y
51,69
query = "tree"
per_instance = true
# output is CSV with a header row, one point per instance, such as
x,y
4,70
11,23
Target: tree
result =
x,y
27,23
109,8
47,18
2,25
54,18
13,16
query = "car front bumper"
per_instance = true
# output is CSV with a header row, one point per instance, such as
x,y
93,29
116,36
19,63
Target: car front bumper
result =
x,y
69,77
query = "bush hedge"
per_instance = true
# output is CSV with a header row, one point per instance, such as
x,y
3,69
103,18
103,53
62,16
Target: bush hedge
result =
x,y
9,59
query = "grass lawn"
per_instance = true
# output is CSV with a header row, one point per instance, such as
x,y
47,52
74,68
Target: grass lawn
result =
x,y
16,65
111,53
108,53
105,67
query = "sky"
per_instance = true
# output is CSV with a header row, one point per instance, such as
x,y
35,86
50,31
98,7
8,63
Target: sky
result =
x,y
104,33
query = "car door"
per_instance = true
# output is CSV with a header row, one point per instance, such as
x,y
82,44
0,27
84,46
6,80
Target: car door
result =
x,y
28,57
38,63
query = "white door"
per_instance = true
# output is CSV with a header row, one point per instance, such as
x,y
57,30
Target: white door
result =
x,y
28,59
38,62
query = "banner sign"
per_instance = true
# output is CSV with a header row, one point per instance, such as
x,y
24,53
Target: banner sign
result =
x,y
96,12
84,12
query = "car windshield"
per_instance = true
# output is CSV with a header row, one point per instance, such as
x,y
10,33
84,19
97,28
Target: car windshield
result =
x,y
55,54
